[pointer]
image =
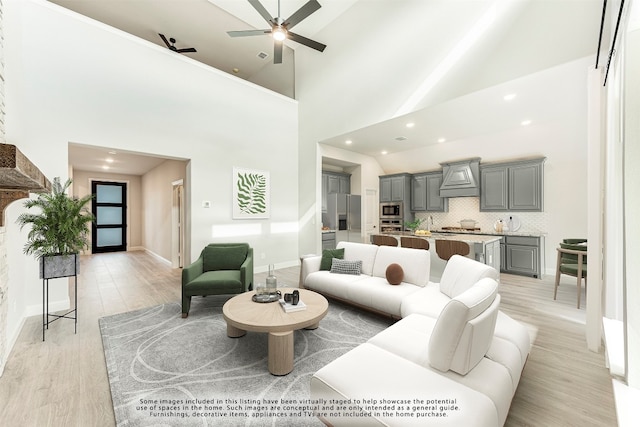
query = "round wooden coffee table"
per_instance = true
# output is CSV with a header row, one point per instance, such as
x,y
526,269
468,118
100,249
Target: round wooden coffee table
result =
x,y
242,314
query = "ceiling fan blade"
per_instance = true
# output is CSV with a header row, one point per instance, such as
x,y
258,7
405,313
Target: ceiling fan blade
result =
x,y
164,39
305,41
261,10
247,33
277,52
185,50
306,10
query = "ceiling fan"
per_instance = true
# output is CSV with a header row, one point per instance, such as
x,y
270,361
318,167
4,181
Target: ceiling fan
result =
x,y
171,45
280,28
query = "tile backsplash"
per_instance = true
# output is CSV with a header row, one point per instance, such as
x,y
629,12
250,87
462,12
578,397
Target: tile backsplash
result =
x,y
469,208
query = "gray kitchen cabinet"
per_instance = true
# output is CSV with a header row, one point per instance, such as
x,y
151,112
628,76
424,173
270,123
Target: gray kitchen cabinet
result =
x,y
385,189
494,188
328,240
513,186
488,253
395,188
419,193
522,256
435,203
526,186
325,191
425,193
334,182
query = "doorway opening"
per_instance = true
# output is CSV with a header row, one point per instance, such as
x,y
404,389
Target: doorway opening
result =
x,y
177,225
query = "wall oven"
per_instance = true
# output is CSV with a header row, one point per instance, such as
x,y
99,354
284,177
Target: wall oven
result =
x,y
390,210
391,225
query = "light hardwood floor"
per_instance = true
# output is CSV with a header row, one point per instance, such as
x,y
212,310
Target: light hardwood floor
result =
x,y
63,381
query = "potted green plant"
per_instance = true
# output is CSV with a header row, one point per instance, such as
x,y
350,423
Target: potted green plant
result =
x,y
59,231
413,225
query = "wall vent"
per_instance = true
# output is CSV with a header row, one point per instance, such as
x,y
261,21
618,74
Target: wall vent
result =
x,y
262,55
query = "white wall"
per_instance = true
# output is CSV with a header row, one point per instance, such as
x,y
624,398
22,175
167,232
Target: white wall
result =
x,y
157,201
70,79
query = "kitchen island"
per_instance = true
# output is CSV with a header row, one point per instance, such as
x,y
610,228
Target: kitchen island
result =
x,y
482,248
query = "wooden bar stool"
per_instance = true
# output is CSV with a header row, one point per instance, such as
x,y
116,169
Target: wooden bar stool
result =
x,y
448,248
414,242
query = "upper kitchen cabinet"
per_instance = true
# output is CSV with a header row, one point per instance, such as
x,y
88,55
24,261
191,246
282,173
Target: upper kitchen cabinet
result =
x,y
337,182
425,193
513,186
334,182
395,188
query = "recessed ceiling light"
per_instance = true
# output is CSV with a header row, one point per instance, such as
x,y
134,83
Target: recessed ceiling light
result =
x,y
105,167
525,122
509,97
441,140
348,142
410,125
108,160
383,152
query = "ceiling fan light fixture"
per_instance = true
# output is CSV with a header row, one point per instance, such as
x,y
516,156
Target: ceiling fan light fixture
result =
x,y
279,34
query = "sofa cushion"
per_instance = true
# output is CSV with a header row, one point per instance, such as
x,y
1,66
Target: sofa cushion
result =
x,y
463,332
336,285
461,273
341,266
228,257
360,251
408,338
375,293
327,257
416,263
394,274
369,372
428,301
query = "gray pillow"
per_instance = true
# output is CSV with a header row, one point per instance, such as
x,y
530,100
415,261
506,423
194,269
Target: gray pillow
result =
x,y
342,266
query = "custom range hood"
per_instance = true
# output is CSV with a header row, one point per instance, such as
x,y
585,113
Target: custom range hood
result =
x,y
461,178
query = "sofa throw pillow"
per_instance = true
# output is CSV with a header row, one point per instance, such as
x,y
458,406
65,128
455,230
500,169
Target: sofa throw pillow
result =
x,y
223,257
394,274
342,266
328,255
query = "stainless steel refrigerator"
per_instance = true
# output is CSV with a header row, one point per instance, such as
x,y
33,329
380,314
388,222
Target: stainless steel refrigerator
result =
x,y
344,216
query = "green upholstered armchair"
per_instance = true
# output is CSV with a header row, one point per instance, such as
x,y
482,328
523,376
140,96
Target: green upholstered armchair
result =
x,y
572,261
221,269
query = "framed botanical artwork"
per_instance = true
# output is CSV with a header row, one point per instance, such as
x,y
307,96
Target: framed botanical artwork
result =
x,y
251,194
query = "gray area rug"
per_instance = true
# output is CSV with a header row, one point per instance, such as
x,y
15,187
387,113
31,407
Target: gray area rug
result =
x,y
168,371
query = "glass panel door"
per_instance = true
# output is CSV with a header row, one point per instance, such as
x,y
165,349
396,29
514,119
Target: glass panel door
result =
x,y
110,209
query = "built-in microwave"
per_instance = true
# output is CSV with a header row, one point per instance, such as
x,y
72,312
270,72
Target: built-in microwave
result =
x,y
390,210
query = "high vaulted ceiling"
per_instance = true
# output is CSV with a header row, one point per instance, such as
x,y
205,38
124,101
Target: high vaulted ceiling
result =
x,y
531,36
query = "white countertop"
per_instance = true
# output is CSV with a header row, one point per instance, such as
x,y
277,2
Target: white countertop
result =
x,y
495,233
468,238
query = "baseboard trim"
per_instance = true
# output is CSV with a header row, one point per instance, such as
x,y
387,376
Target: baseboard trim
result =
x,y
155,255
11,342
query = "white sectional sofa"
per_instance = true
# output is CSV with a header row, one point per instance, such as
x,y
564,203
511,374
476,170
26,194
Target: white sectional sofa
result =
x,y
452,343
